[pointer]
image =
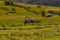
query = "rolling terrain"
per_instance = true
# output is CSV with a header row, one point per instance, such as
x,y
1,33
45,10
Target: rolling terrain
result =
x,y
12,27
41,2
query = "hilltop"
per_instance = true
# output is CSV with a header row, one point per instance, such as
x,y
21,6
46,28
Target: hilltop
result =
x,y
41,2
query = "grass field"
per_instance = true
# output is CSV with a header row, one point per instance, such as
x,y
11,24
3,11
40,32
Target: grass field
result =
x,y
49,28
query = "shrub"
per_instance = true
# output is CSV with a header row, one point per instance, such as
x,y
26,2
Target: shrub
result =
x,y
6,2
4,28
43,13
52,12
11,12
9,2
6,13
29,7
13,9
59,14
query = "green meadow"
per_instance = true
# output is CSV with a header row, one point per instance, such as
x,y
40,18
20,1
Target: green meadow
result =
x,y
12,26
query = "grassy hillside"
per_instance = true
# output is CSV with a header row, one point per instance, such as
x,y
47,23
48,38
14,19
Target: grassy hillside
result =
x,y
6,17
49,28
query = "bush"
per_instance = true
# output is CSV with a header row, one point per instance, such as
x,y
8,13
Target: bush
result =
x,y
52,12
10,2
59,14
43,13
13,9
11,12
29,7
6,2
6,13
